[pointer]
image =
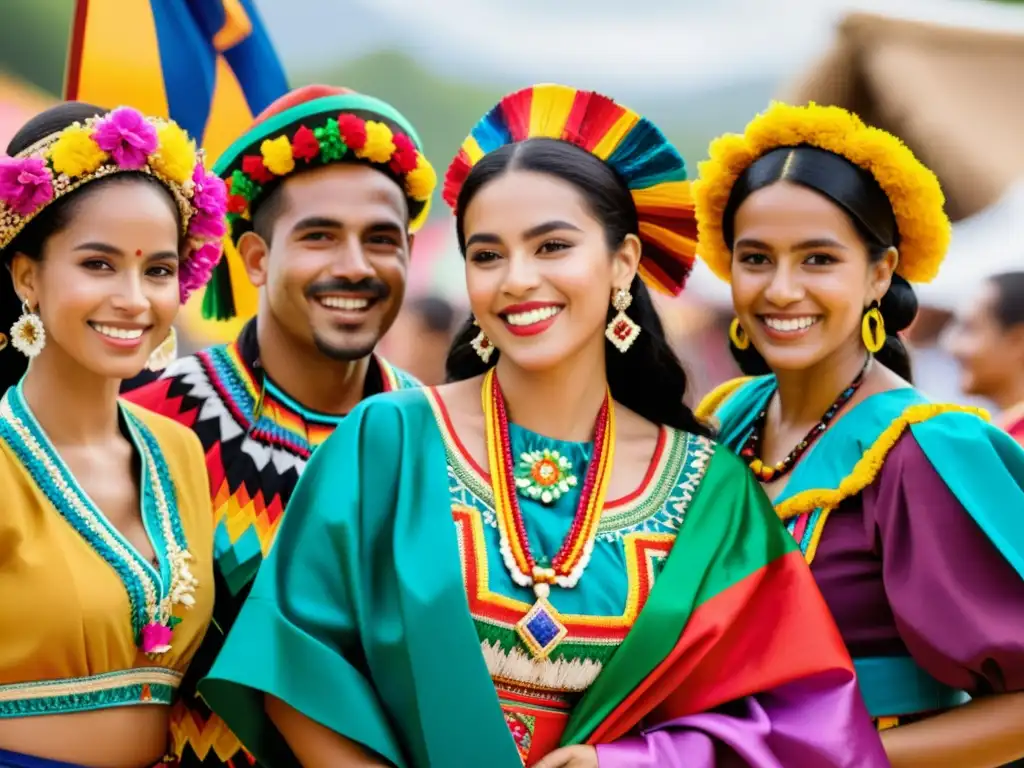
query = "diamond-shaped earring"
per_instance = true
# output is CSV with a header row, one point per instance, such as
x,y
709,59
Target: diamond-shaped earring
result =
x,y
622,331
483,346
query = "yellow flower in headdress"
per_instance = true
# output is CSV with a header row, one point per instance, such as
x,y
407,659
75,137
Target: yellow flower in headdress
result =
x,y
380,145
175,157
277,156
913,190
75,153
420,182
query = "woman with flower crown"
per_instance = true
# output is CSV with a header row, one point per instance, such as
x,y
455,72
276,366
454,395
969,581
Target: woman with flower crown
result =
x,y
108,221
547,561
909,512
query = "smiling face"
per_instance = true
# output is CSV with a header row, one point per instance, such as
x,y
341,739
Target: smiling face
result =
x,y
334,269
538,269
801,276
991,356
106,287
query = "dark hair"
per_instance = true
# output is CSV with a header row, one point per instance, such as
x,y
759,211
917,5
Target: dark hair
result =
x,y
54,218
648,379
266,215
268,204
437,314
859,195
1008,309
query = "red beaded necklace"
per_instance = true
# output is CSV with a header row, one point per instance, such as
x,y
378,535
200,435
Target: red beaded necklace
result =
x,y
540,629
766,473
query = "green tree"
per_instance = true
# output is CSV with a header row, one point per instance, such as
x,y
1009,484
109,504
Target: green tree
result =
x,y
34,41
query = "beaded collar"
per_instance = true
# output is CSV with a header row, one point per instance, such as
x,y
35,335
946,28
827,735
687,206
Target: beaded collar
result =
x,y
154,592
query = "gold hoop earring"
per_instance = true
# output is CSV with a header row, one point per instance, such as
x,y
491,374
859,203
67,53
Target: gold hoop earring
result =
x,y
27,334
622,331
872,329
737,335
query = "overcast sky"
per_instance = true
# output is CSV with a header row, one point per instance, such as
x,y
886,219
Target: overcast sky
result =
x,y
681,43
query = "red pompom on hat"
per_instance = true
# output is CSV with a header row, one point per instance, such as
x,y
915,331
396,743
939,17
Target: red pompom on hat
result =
x,y
304,144
253,167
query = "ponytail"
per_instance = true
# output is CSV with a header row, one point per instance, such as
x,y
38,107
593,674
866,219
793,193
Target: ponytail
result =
x,y
898,308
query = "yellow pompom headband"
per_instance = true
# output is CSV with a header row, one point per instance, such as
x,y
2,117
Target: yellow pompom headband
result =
x,y
913,190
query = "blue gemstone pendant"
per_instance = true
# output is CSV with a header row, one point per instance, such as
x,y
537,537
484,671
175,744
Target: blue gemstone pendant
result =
x,y
541,630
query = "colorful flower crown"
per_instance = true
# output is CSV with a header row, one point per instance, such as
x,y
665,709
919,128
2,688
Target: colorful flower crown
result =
x,y
913,190
123,140
368,140
632,145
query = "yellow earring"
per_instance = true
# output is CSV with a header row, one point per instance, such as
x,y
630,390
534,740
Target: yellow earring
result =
x,y
737,335
872,329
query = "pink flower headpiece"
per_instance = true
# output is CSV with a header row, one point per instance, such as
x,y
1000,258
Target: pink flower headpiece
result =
x,y
121,141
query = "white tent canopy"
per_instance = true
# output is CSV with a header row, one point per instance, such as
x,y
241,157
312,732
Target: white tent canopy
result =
x,y
952,93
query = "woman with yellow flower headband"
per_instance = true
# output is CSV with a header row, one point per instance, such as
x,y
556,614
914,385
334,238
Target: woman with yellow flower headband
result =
x,y
546,561
909,512
108,221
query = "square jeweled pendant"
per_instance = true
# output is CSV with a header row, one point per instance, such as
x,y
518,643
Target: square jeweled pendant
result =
x,y
622,331
541,630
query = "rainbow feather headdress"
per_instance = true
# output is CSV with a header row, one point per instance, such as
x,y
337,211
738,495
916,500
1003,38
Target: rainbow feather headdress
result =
x,y
632,145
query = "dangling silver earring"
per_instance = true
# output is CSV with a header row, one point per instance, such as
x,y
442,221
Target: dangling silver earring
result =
x,y
165,353
622,331
483,346
27,334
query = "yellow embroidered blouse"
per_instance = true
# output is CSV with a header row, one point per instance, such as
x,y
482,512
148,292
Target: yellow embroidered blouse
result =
x,y
86,620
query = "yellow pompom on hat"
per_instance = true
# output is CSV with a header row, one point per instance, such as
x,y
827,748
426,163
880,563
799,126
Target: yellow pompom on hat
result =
x,y
913,190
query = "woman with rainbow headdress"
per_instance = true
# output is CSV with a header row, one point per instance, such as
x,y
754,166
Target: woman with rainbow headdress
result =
x,y
108,222
547,561
909,512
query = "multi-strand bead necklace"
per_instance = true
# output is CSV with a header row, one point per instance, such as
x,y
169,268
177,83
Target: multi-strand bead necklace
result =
x,y
541,629
767,473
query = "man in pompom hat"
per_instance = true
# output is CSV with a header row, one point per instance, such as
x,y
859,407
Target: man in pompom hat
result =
x,y
327,188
